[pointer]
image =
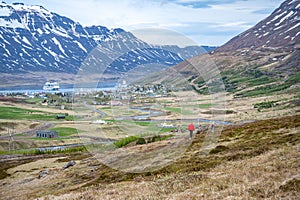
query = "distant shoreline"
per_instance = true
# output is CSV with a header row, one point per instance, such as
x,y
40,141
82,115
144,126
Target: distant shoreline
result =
x,y
63,88
35,90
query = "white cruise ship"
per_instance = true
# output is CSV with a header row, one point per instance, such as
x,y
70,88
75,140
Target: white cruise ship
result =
x,y
51,85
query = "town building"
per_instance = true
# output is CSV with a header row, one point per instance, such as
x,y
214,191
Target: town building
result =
x,y
46,134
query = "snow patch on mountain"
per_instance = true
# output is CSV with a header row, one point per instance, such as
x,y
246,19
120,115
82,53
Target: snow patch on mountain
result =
x,y
285,17
5,12
24,39
13,23
59,45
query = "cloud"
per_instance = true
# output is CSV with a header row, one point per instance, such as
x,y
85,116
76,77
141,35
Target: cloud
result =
x,y
201,3
163,37
234,25
263,11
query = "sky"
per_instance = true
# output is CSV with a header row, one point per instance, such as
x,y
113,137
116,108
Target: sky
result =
x,y
202,22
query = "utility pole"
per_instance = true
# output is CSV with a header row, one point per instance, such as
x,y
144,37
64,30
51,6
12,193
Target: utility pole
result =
x,y
13,140
8,134
11,133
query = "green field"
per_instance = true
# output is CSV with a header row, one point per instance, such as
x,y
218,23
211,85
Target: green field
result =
x,y
180,110
8,112
20,113
65,131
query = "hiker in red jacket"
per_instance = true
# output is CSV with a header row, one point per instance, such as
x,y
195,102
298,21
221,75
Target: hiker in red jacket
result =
x,y
191,128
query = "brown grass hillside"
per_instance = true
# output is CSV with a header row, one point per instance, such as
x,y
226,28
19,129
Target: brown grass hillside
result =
x,y
251,161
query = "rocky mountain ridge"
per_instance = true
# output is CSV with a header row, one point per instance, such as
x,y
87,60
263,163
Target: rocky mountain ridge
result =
x,y
280,29
35,39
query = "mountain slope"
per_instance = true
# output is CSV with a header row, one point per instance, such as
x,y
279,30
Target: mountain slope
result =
x,y
35,39
262,61
280,29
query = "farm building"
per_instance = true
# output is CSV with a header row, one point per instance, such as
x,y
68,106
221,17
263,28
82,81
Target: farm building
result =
x,y
46,134
60,116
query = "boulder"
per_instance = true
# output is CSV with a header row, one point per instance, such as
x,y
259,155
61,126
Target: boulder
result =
x,y
69,164
43,173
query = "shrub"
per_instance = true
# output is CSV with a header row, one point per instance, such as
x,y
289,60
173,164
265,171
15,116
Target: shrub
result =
x,y
141,141
158,138
267,104
124,141
218,149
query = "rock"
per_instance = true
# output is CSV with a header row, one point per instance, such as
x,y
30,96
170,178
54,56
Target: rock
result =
x,y
69,164
43,173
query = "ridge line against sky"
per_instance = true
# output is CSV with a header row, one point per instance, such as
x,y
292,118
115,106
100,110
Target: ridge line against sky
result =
x,y
206,22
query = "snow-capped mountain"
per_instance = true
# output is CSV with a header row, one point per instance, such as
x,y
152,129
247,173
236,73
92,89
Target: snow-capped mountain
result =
x,y
280,29
35,39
